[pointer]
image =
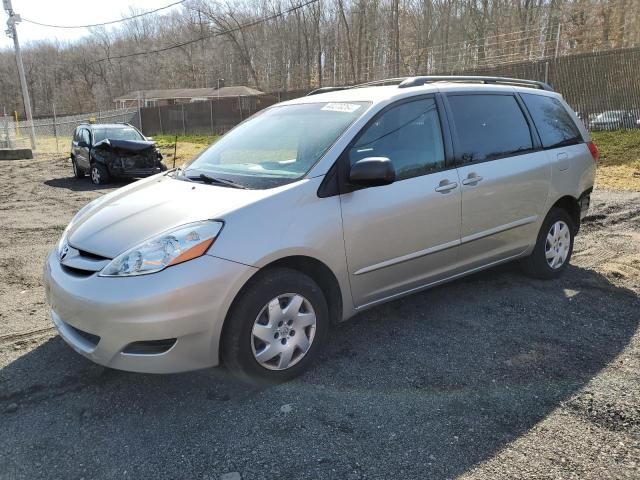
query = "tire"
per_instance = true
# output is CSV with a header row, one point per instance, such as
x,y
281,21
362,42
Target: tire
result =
x,y
256,313
556,244
77,171
99,174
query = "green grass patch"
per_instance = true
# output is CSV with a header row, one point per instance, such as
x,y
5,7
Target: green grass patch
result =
x,y
619,147
164,141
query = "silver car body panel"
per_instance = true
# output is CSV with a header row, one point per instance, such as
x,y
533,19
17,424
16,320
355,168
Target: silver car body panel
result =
x,y
501,214
380,243
187,301
386,253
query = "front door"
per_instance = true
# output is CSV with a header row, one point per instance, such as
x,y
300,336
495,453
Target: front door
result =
x,y
82,149
504,175
402,236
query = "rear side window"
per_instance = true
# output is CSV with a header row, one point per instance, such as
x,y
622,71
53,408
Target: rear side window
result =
x,y
408,135
85,137
489,126
553,122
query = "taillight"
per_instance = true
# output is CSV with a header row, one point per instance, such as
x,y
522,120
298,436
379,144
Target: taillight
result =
x,y
595,153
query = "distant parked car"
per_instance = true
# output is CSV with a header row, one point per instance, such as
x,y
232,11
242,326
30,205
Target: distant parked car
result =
x,y
614,120
113,150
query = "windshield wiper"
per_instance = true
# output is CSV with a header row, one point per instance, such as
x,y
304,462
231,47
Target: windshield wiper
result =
x,y
221,181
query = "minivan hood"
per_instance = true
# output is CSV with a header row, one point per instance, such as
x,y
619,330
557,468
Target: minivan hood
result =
x,y
149,207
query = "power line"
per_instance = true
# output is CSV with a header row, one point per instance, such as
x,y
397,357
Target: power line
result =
x,y
105,23
206,37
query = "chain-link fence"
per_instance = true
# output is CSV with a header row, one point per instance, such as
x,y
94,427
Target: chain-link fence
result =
x,y
603,88
53,135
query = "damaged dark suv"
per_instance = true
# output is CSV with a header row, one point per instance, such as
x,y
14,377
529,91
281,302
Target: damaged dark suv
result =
x,y
113,150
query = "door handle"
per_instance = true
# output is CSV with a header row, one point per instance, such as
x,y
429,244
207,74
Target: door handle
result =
x,y
472,179
446,186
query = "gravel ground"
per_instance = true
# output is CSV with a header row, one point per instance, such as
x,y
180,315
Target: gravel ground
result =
x,y
493,376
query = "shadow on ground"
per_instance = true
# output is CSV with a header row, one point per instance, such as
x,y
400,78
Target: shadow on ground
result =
x,y
423,387
84,184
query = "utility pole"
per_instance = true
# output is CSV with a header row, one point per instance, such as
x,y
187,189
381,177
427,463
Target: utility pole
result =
x,y
204,63
12,32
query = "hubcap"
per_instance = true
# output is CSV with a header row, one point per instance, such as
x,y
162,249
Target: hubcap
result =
x,y
95,175
556,247
283,331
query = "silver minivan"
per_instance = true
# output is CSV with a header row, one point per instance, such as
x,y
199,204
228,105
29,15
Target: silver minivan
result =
x,y
315,209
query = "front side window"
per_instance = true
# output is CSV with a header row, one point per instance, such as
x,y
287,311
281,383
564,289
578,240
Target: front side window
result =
x,y
278,145
408,135
489,126
554,124
86,138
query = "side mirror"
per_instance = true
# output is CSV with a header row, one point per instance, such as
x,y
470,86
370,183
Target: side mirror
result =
x,y
149,139
83,144
372,172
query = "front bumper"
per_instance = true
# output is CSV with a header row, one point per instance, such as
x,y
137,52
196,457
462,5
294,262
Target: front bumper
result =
x,y
138,172
100,317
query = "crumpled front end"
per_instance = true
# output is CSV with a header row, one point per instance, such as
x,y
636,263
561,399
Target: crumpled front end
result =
x,y
129,158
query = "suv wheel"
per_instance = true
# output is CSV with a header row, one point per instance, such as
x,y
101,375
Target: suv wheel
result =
x,y
276,328
99,174
551,255
77,171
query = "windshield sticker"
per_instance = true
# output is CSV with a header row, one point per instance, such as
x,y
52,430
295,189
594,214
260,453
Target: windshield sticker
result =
x,y
341,107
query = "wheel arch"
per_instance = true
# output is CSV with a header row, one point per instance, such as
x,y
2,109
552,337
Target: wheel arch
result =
x,y
312,267
317,270
571,205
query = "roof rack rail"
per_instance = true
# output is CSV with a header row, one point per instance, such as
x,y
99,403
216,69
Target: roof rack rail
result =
x,y
406,82
373,83
320,90
421,80
381,83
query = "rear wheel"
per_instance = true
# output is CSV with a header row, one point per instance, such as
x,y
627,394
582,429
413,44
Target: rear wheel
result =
x,y
551,255
99,174
78,172
276,328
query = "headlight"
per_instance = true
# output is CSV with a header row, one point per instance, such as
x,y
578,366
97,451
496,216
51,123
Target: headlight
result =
x,y
170,248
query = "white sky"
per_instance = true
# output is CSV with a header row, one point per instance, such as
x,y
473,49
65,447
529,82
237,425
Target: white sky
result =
x,y
69,12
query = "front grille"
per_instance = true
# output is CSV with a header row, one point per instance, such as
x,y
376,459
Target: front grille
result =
x,y
91,256
150,347
78,272
138,161
81,262
89,337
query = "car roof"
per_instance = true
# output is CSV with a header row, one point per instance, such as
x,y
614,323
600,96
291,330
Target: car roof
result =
x,y
105,125
378,94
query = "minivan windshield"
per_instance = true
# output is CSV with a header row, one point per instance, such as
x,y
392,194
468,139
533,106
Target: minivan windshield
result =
x,y
276,146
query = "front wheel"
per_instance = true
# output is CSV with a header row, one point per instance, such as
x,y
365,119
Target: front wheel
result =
x,y
99,174
554,245
276,328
